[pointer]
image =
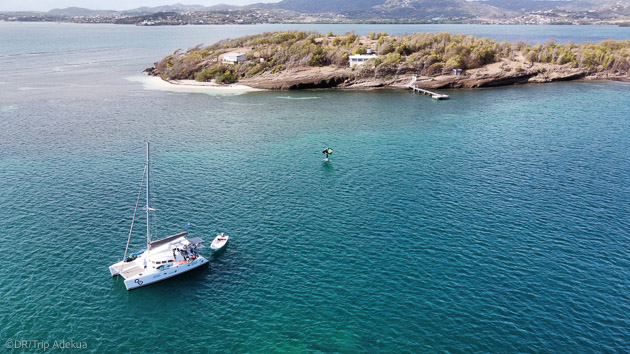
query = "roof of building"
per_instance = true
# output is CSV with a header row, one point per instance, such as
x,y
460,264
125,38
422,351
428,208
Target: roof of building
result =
x,y
357,56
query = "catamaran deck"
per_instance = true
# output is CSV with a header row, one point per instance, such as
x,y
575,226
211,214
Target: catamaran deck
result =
x,y
129,269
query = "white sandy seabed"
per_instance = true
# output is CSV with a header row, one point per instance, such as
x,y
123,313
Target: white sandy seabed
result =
x,y
190,86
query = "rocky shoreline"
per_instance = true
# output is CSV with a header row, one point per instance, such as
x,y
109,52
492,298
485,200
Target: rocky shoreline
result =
x,y
335,78
302,81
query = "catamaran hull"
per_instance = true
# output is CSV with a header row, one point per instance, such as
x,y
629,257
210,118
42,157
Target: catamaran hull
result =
x,y
114,269
151,278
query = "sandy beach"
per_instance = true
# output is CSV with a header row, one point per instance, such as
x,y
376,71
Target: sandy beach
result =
x,y
190,86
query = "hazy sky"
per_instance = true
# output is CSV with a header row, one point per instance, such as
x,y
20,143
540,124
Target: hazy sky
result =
x,y
45,5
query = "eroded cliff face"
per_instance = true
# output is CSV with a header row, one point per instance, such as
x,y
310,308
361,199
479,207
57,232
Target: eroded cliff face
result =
x,y
308,78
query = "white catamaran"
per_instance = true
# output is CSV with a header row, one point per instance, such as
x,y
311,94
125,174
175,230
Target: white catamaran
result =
x,y
161,259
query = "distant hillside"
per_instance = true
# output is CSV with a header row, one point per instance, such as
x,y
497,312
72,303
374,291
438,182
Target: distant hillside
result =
x,y
444,8
528,5
386,9
223,7
177,8
615,10
541,5
310,6
394,11
78,11
170,8
431,8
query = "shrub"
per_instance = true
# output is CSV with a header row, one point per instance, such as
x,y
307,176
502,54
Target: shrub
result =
x,y
318,58
386,48
255,70
360,50
531,56
349,39
455,62
206,74
435,68
227,77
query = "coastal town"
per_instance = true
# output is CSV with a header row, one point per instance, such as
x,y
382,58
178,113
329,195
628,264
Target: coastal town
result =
x,y
163,18
619,15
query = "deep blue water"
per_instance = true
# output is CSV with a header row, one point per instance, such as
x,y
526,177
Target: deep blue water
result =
x,y
495,221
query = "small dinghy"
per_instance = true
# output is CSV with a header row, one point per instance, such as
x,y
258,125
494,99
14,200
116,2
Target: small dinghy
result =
x,y
219,242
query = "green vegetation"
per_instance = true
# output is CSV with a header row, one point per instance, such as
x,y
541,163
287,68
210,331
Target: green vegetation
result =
x,y
419,53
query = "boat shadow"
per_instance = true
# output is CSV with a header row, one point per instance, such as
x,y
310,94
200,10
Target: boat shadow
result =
x,y
217,254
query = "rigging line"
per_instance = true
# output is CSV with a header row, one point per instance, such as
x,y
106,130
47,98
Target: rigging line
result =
x,y
134,216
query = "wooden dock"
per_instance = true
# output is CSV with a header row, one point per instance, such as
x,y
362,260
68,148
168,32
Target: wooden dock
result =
x,y
434,95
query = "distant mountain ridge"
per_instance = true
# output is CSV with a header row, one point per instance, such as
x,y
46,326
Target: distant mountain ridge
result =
x,y
443,8
541,5
321,6
79,11
385,9
171,8
425,8
381,9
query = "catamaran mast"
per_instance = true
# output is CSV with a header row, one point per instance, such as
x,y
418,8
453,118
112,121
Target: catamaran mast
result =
x,y
148,208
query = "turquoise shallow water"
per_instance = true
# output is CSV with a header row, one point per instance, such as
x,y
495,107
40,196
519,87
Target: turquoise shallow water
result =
x,y
495,221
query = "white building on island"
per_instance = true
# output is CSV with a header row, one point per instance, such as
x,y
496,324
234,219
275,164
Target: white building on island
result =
x,y
360,59
233,58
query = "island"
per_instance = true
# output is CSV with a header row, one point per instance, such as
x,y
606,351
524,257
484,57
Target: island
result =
x,y
300,60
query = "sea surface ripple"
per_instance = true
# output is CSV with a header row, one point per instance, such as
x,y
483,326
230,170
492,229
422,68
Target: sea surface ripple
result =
x,y
495,221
